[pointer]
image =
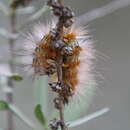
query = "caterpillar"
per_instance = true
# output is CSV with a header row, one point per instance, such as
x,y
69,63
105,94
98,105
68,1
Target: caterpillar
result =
x,y
76,67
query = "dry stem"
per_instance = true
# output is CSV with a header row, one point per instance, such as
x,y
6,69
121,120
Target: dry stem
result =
x,y
61,105
65,20
59,71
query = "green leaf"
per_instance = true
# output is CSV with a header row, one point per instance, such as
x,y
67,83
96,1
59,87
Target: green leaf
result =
x,y
41,93
88,118
18,113
3,105
16,77
39,115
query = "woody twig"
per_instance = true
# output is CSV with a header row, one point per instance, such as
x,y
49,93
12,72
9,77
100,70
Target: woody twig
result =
x,y
65,20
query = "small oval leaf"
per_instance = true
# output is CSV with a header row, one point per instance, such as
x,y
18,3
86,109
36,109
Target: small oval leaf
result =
x,y
39,115
16,77
3,105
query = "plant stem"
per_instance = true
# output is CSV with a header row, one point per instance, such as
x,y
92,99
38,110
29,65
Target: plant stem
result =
x,y
59,72
12,41
61,105
61,112
59,63
9,95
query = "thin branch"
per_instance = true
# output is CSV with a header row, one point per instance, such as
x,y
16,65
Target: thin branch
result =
x,y
61,105
12,41
8,35
58,7
59,71
88,16
9,96
103,11
34,17
88,117
19,114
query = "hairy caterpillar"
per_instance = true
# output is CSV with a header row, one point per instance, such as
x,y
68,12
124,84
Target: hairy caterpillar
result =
x,y
76,67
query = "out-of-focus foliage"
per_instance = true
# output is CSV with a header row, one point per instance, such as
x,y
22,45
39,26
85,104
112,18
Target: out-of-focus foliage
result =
x,y
18,113
16,78
87,118
3,105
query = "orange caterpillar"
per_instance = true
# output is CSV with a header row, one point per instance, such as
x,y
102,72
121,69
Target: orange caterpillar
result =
x,y
76,67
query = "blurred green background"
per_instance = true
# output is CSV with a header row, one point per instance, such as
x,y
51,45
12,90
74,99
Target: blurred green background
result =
x,y
112,35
